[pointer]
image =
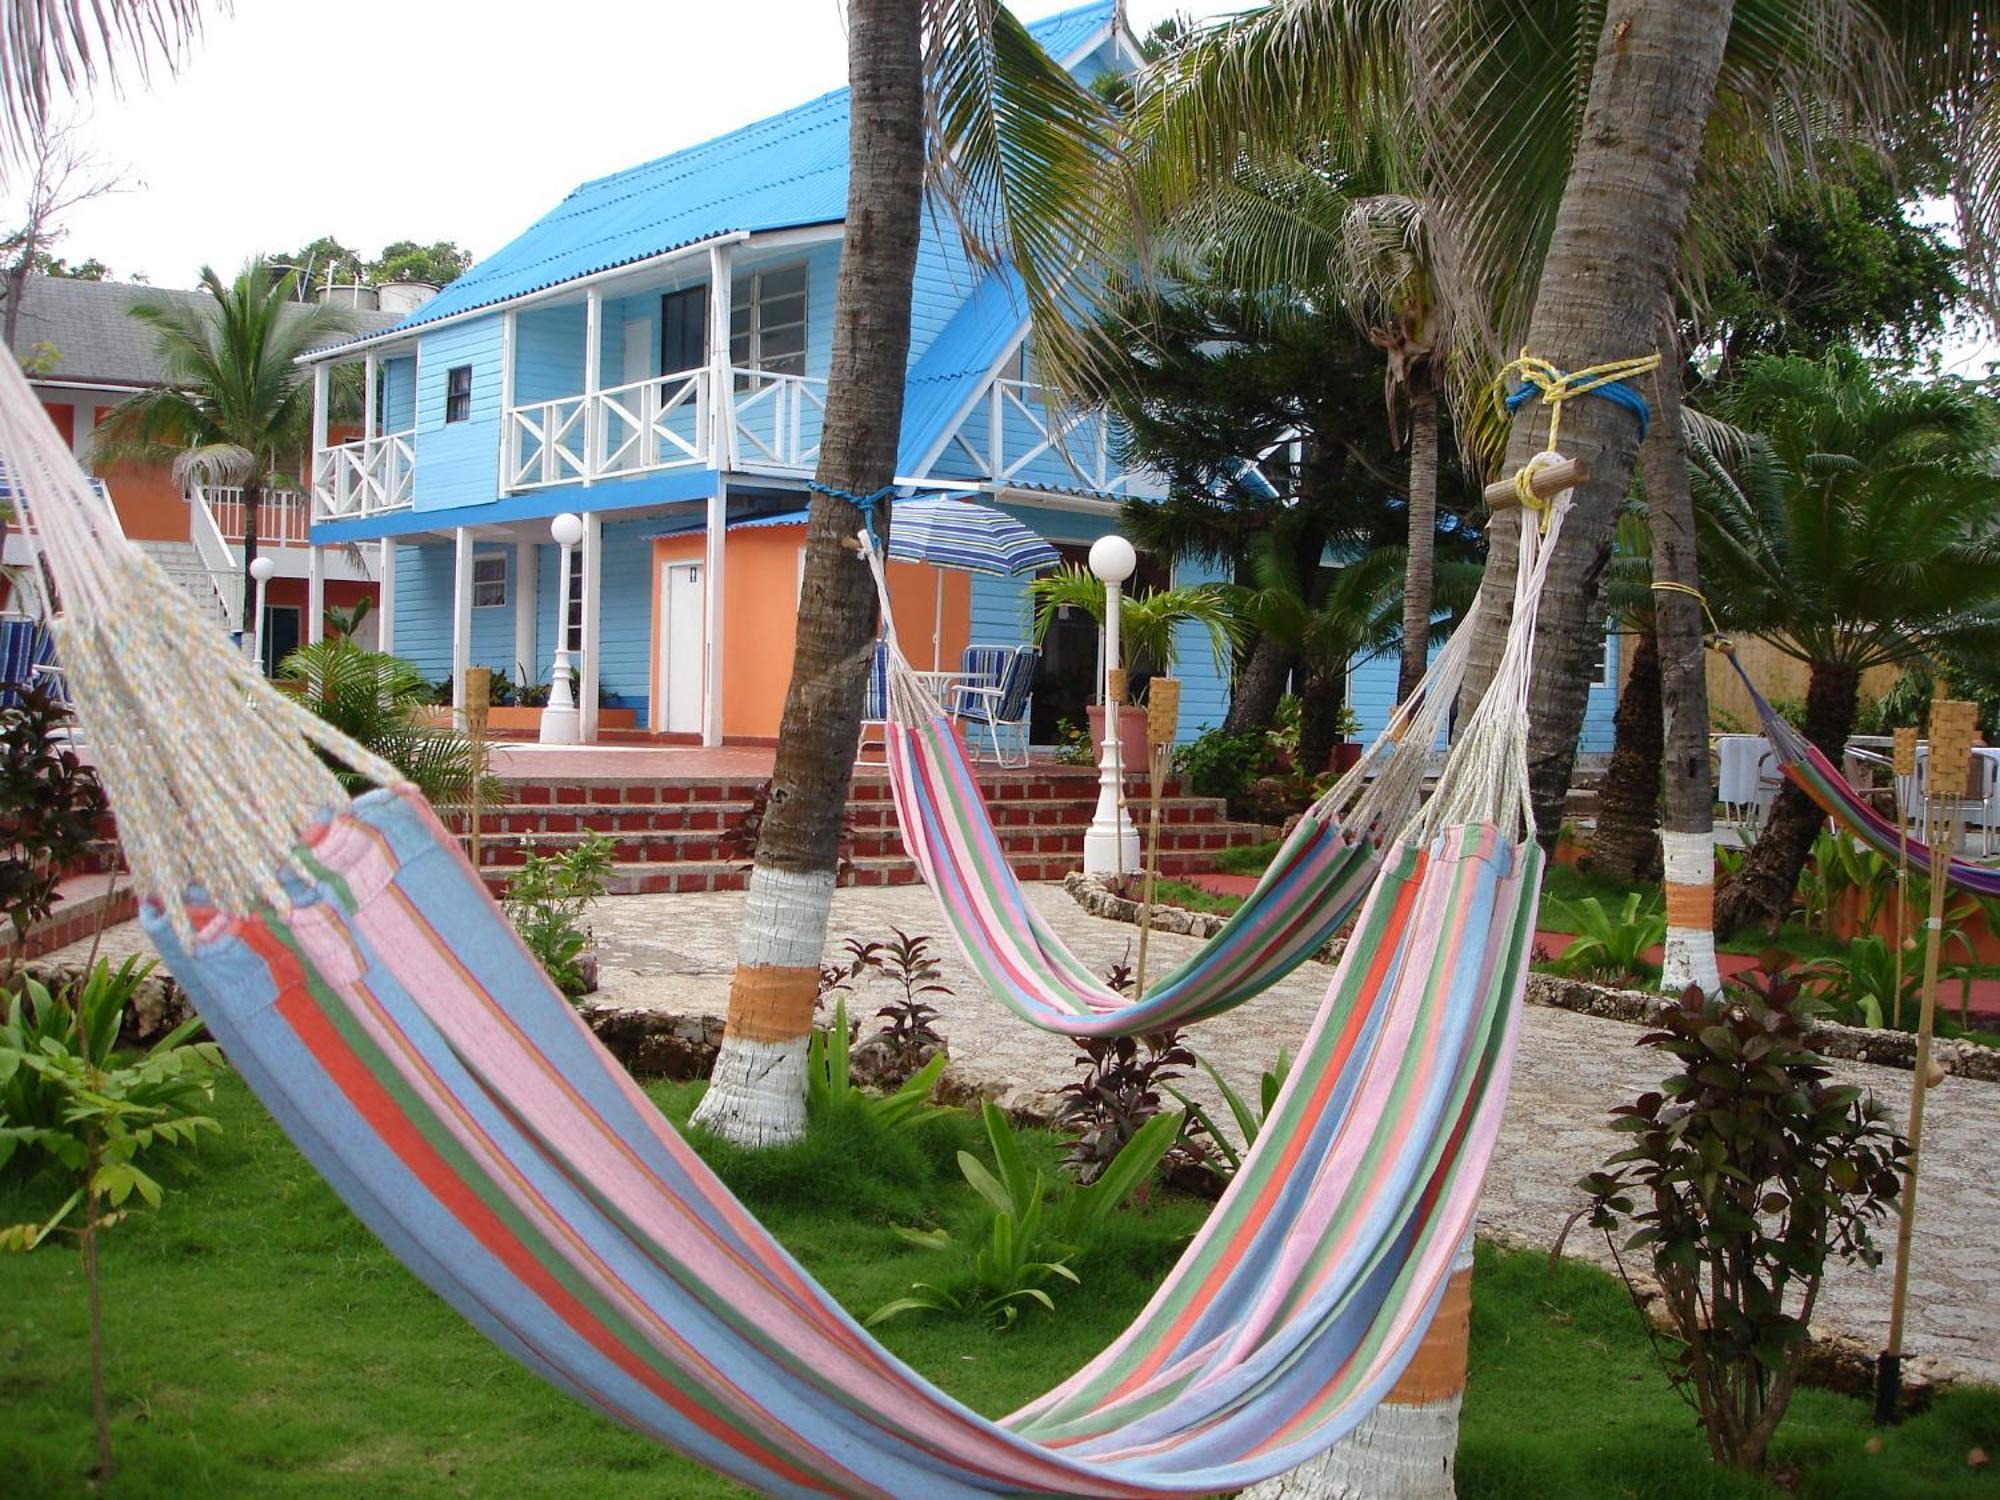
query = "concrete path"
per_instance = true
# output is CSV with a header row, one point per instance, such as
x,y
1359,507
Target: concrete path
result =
x,y
676,953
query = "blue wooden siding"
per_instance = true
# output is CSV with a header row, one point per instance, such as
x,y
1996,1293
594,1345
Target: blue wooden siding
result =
x,y
548,354
423,611
398,379
458,463
1371,686
625,629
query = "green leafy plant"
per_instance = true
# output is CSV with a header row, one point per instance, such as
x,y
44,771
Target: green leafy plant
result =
x,y
1149,623
348,621
381,702
1611,947
1249,1122
1073,747
50,805
1119,1092
907,962
1748,1171
1218,764
105,1122
546,900
830,1078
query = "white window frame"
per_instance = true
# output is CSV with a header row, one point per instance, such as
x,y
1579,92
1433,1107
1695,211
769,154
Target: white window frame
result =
x,y
489,581
747,299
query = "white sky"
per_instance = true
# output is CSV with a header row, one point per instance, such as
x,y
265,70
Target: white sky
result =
x,y
379,120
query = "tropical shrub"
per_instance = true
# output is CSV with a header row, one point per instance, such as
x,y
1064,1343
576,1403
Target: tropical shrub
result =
x,y
1748,1171
106,1123
908,1039
1249,1122
1611,947
1119,1092
1073,747
50,804
546,901
1219,764
380,702
830,1079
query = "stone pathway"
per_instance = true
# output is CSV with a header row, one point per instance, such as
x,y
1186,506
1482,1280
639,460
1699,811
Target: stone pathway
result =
x,y
675,953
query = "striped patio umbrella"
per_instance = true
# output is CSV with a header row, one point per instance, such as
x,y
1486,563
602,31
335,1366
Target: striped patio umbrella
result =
x,y
971,538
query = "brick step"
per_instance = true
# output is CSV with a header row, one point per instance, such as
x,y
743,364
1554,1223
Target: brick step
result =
x,y
695,846
641,818
1059,784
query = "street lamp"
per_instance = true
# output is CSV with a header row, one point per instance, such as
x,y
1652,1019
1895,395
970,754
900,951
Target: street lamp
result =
x,y
261,569
1111,844
559,720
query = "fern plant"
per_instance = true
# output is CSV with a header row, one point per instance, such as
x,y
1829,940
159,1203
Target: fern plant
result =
x,y
380,701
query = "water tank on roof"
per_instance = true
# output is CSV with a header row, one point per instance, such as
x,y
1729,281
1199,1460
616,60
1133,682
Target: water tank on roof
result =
x,y
363,298
404,296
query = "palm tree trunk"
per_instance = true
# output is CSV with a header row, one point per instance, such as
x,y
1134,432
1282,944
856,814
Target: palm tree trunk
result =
x,y
253,501
1420,577
1762,890
1625,846
1320,702
1256,689
756,1096
1687,803
1616,243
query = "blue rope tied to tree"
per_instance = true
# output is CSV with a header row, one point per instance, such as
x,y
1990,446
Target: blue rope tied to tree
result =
x,y
1540,378
866,504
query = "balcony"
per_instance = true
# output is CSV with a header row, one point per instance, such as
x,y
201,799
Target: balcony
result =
x,y
365,477
1016,436
775,421
630,429
282,517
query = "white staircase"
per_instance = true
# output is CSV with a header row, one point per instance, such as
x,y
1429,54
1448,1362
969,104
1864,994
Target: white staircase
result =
x,y
182,563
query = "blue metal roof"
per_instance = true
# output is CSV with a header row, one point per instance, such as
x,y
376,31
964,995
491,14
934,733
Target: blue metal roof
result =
x,y
957,361
784,172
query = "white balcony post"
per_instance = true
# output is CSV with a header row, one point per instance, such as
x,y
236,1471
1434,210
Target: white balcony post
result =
x,y
315,595
322,381
508,439
1111,843
371,375
996,427
385,597
721,395
593,625
461,619
593,384
527,608
712,619
559,719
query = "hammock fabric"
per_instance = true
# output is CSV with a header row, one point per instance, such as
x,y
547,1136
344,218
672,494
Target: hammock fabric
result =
x,y
355,970
1820,779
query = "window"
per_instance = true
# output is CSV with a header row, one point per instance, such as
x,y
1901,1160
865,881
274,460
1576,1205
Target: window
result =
x,y
576,609
458,393
767,321
489,582
684,330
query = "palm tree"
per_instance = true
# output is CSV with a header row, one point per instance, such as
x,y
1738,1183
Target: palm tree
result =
x,y
236,407
1859,528
44,43
1009,123
1624,846
384,704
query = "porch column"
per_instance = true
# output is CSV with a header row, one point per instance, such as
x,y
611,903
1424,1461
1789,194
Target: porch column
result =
x,y
461,619
593,381
508,320
315,594
712,618
721,397
83,426
371,372
385,596
322,385
527,608
593,622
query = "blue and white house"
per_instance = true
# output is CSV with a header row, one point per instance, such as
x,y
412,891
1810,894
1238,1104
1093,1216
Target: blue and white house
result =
x,y
651,355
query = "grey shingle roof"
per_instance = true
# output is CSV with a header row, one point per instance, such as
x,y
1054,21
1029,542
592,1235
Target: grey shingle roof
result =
x,y
97,341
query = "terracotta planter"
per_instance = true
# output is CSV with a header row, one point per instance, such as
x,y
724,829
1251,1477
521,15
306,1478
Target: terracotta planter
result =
x,y
1346,756
1131,735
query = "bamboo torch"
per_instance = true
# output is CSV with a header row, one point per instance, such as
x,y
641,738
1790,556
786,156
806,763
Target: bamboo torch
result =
x,y
1952,729
1163,714
478,700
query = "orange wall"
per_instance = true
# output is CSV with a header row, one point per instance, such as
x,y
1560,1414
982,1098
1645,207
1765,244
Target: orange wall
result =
x,y
760,623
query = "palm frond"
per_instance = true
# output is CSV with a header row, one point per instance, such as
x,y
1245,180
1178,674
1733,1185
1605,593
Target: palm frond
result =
x,y
69,44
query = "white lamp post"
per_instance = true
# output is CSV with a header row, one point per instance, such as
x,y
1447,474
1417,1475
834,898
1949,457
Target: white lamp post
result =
x,y
261,569
559,719
1111,845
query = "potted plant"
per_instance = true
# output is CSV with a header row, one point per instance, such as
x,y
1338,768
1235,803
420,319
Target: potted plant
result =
x,y
1149,633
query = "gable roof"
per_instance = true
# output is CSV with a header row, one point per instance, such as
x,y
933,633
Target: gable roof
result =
x,y
788,171
96,339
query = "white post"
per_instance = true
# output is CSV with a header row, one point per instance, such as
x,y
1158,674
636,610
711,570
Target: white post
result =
x,y
721,395
315,595
593,418
1111,844
461,619
711,681
385,597
527,606
261,569
371,375
322,381
507,336
559,726
593,622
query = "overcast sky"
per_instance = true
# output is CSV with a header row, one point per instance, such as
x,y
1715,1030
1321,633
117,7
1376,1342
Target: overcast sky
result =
x,y
380,120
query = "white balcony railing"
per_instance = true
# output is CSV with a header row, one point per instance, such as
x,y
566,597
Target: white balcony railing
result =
x,y
629,429
774,420
283,516
364,477
1016,435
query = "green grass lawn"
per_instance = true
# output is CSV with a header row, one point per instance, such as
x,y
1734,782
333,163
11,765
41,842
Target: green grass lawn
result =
x,y
262,1344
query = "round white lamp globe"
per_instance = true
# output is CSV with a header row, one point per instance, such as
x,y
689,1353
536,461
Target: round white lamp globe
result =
x,y
567,529
261,569
1112,559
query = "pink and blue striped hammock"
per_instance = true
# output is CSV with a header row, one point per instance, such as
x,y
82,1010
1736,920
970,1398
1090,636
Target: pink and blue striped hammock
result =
x,y
358,975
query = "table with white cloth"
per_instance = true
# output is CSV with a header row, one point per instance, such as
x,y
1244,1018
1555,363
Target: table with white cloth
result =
x,y
1740,761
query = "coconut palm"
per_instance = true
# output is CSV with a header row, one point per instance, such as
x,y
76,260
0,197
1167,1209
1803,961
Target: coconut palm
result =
x,y
1859,528
1625,846
236,407
46,43
383,704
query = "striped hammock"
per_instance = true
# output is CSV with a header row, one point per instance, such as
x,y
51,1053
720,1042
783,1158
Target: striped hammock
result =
x,y
1312,886
355,970
1820,779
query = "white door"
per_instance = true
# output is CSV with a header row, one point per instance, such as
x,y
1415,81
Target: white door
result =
x,y
681,647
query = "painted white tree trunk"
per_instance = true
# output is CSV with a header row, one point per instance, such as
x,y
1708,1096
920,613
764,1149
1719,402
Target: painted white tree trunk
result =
x,y
1402,1450
1690,884
757,1093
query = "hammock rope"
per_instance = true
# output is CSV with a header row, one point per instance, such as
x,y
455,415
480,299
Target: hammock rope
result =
x,y
357,973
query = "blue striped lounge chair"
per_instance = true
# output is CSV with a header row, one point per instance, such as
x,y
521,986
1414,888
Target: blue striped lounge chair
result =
x,y
1002,704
